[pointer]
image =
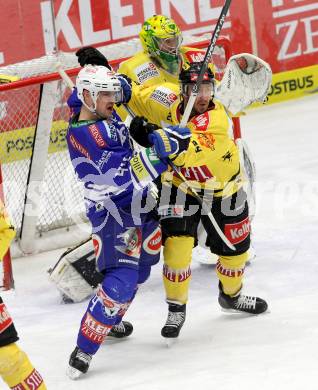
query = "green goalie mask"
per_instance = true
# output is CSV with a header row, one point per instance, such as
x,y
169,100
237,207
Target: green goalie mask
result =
x,y
161,39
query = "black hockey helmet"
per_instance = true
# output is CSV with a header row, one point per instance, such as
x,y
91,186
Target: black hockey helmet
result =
x,y
190,72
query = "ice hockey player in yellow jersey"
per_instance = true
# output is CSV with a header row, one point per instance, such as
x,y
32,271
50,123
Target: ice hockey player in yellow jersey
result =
x,y
162,57
211,166
15,367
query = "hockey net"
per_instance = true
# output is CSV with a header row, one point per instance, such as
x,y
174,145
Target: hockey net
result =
x,y
39,187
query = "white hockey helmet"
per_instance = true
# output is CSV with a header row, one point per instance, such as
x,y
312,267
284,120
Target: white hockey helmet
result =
x,y
95,79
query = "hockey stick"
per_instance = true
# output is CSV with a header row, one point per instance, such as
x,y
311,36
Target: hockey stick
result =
x,y
205,63
194,193
65,77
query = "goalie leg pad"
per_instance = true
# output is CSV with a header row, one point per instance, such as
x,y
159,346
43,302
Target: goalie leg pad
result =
x,y
70,282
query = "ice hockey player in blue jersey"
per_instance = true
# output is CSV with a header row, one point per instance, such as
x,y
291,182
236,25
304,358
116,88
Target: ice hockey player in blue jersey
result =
x,y
125,231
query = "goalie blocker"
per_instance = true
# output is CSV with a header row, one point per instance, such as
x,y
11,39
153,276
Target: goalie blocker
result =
x,y
75,274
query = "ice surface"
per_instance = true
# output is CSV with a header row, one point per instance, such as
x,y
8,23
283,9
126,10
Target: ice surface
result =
x,y
278,350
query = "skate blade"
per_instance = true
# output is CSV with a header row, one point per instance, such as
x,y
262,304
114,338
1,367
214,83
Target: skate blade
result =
x,y
170,341
73,373
244,313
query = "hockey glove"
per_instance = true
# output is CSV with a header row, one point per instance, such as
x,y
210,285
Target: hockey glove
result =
x,y
91,56
125,82
140,130
170,141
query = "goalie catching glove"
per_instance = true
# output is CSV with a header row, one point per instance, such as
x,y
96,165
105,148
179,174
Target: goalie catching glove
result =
x,y
170,141
247,79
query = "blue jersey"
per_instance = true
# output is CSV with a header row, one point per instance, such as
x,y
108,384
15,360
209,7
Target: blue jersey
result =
x,y
104,161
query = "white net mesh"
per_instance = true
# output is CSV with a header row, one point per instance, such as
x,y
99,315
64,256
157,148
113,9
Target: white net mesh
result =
x,y
47,64
61,202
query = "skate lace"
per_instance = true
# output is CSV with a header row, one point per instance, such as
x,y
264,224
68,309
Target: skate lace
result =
x,y
245,302
175,318
84,357
119,327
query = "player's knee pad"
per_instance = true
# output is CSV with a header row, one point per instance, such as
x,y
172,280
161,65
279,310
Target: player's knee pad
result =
x,y
144,273
120,283
230,271
107,307
176,270
17,370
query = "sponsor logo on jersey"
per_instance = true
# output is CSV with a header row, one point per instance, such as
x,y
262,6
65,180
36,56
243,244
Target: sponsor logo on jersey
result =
x,y
232,273
97,136
34,381
207,140
5,318
131,239
104,159
146,71
237,232
139,168
94,330
227,156
200,174
180,275
97,243
194,56
164,96
111,131
76,145
152,243
202,121
170,211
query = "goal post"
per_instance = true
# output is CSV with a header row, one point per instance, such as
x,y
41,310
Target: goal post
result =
x,y
40,189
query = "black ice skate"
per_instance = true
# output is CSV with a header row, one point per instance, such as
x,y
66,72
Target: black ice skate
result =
x,y
78,363
175,321
123,329
242,303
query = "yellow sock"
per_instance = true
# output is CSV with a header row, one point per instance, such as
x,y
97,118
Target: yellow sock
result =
x,y
230,271
17,371
176,270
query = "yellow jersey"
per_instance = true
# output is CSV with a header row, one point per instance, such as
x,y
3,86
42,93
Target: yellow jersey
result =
x,y
144,70
211,162
7,231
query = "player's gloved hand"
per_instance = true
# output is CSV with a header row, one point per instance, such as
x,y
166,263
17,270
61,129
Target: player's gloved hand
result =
x,y
125,82
140,129
91,56
170,141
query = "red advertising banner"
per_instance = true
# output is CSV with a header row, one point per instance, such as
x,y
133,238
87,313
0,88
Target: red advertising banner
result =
x,y
287,33
282,32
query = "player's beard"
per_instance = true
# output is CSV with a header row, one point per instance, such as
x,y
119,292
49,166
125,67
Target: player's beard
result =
x,y
107,112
